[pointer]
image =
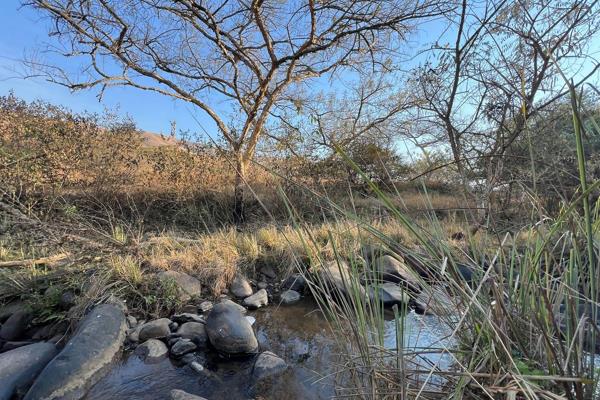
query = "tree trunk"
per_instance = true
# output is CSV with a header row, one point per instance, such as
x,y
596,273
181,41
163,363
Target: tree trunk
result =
x,y
239,212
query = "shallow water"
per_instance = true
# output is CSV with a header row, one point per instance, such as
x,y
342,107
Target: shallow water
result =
x,y
298,333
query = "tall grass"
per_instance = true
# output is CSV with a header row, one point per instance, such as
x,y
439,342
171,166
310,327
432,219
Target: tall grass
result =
x,y
526,328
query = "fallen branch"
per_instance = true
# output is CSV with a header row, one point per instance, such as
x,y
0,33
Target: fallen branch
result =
x,y
51,260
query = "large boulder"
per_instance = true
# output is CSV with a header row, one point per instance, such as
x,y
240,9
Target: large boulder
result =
x,y
85,358
240,287
337,278
189,287
177,394
391,269
257,300
15,326
229,332
157,329
268,365
19,367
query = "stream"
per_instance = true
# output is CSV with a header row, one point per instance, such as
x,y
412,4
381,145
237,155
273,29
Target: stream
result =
x,y
297,333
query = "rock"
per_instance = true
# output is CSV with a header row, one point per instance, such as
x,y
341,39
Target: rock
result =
x,y
117,302
183,346
229,332
131,321
268,365
190,308
15,325
234,304
194,331
390,294
268,271
240,287
338,279
151,349
205,306
133,334
187,317
14,345
156,329
392,270
85,358
251,320
67,300
189,287
370,252
289,297
295,282
11,308
173,326
42,333
257,300
177,394
19,367
262,285
196,367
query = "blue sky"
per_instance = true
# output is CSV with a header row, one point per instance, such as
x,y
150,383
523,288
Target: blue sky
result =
x,y
23,31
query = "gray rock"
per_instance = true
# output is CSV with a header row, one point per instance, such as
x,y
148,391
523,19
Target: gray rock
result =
x,y
15,325
85,358
197,367
173,326
194,331
390,294
268,365
189,287
251,320
118,302
131,321
11,308
289,297
187,317
183,346
133,334
190,308
19,367
295,282
257,300
15,345
67,300
177,394
229,332
338,279
156,329
205,306
391,269
151,349
234,304
262,285
268,271
240,287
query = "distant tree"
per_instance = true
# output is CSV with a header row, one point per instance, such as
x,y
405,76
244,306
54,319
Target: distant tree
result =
x,y
236,61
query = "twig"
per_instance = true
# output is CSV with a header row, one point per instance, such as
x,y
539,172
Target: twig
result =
x,y
44,260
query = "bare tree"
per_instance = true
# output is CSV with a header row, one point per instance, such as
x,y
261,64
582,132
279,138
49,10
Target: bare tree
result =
x,y
234,60
500,67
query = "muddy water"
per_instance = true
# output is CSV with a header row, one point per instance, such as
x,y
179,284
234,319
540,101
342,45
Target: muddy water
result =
x,y
298,333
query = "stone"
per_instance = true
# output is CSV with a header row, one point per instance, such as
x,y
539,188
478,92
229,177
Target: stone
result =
x,y
390,294
268,271
118,302
194,331
151,350
14,345
42,333
7,310
189,287
262,285
131,321
229,332
205,306
85,358
67,300
156,329
19,367
393,270
173,326
289,297
183,346
177,394
241,309
196,367
295,282
190,308
337,277
251,320
15,325
268,365
257,300
133,334
240,287
187,317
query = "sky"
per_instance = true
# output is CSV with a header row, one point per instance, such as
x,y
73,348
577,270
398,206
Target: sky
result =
x,y
22,31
